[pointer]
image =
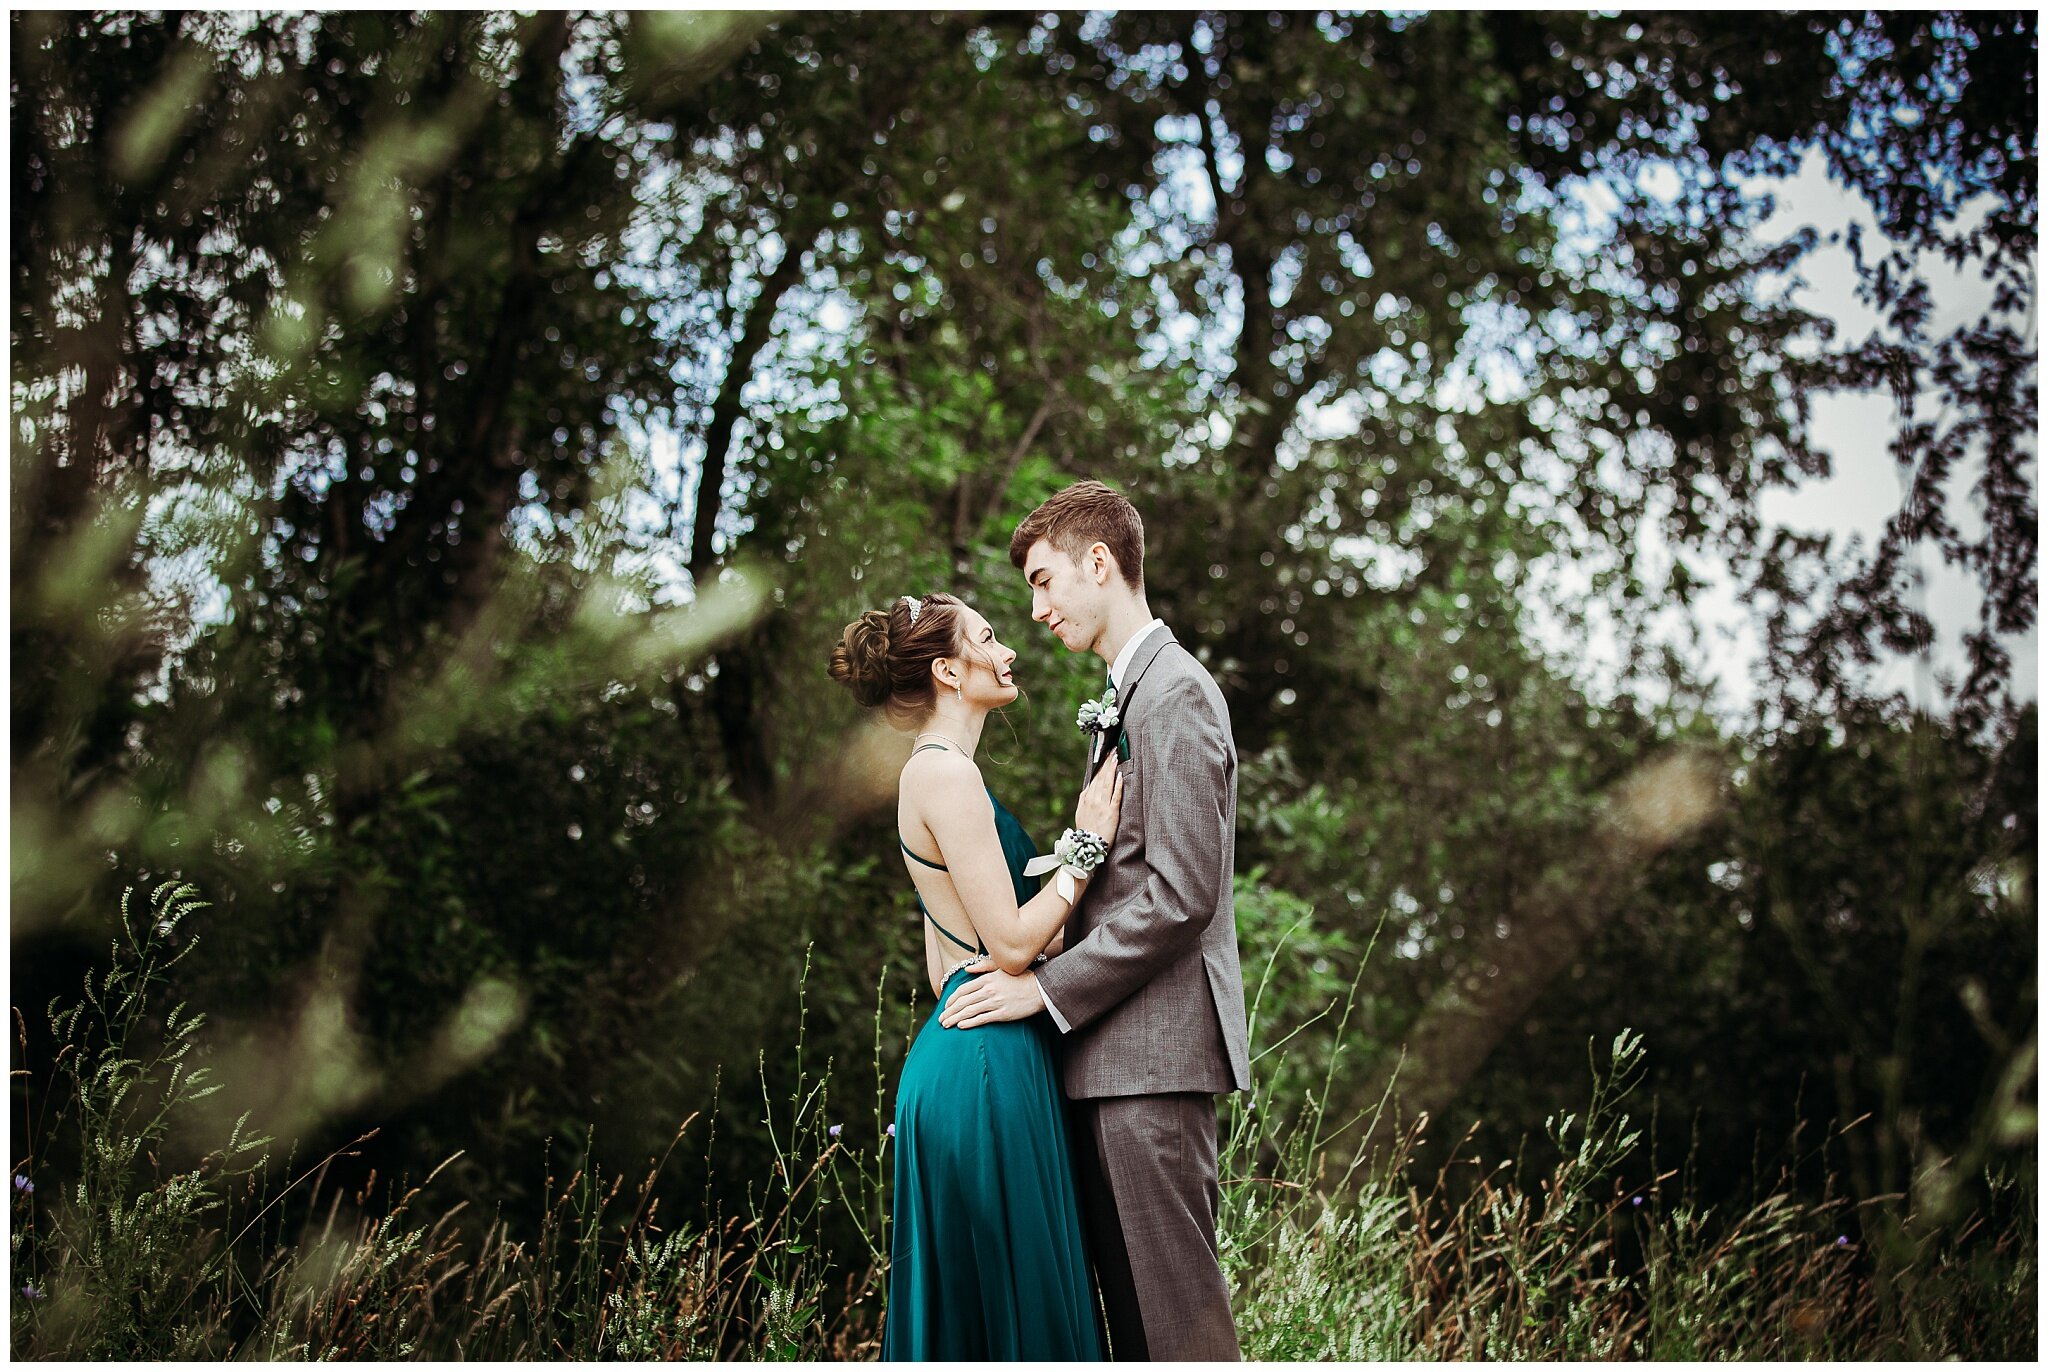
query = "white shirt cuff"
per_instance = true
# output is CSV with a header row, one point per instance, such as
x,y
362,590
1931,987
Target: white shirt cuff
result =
x,y
1050,1008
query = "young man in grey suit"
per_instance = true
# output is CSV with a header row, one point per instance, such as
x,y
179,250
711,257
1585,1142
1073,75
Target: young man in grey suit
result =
x,y
1147,994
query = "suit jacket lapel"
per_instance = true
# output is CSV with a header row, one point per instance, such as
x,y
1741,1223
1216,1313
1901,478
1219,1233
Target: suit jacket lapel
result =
x,y
1147,654
1148,651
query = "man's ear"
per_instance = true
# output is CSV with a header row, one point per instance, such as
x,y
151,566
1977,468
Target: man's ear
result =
x,y
1101,563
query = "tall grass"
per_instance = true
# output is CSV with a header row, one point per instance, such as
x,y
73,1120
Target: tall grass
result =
x,y
1335,1255
1331,1252
125,1261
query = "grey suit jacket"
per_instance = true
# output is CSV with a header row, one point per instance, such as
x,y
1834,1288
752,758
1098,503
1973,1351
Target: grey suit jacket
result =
x,y
1149,983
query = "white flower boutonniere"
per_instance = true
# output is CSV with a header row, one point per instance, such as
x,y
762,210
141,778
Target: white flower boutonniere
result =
x,y
1099,716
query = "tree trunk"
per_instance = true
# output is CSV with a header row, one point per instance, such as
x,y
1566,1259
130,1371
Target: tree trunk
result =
x,y
726,407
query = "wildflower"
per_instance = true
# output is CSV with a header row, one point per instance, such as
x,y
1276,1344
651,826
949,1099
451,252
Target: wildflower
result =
x,y
1635,1200
891,1130
23,1184
833,1132
34,1293
1841,1240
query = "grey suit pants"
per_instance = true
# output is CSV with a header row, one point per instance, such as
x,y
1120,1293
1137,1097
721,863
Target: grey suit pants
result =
x,y
1149,1198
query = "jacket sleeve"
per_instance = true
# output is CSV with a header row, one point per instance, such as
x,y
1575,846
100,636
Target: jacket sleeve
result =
x,y
1183,758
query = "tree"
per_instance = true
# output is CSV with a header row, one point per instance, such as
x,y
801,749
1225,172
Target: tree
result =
x,y
466,693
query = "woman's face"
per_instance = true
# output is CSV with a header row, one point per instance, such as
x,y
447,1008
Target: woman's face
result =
x,y
983,664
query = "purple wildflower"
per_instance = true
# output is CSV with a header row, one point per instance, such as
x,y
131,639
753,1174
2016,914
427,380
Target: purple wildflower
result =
x,y
23,1184
891,1131
34,1293
1635,1200
833,1132
1841,1240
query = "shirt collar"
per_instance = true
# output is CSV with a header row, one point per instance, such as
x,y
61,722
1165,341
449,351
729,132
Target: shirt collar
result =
x,y
1123,659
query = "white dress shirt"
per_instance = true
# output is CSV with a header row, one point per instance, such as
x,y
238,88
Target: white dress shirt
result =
x,y
1116,676
1130,650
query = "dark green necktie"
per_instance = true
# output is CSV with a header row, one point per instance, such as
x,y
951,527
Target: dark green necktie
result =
x,y
1108,738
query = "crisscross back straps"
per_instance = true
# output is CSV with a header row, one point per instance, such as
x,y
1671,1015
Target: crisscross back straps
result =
x,y
936,866
955,938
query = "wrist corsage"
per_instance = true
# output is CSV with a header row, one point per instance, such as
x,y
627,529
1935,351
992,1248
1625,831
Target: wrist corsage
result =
x,y
1076,855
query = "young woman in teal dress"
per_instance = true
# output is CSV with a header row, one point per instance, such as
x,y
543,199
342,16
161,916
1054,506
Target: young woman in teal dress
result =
x,y
987,1258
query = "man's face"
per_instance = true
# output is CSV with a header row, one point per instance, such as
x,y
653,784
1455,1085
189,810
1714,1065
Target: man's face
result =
x,y
1064,597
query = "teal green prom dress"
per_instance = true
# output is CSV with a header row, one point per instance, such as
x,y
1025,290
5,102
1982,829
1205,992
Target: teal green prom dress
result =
x,y
987,1260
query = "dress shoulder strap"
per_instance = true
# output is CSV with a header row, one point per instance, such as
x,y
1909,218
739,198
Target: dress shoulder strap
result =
x,y
940,866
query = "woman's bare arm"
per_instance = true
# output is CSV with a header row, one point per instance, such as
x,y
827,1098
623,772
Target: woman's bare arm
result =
x,y
955,808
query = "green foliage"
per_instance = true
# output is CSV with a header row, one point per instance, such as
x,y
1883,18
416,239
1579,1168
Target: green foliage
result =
x,y
123,1263
119,1251
1330,1256
1336,1253
1342,1259
447,445
1851,940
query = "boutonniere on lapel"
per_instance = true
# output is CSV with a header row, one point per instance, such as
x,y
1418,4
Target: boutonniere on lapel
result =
x,y
1101,716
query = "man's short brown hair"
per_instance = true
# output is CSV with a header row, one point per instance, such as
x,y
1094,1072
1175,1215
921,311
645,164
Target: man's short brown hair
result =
x,y
1084,514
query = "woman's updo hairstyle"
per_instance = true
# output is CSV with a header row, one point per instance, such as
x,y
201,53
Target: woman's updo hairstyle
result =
x,y
885,660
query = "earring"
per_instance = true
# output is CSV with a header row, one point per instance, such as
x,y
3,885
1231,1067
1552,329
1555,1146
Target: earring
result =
x,y
956,692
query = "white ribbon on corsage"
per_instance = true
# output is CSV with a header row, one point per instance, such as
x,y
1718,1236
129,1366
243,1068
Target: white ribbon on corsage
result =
x,y
1075,856
1067,883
